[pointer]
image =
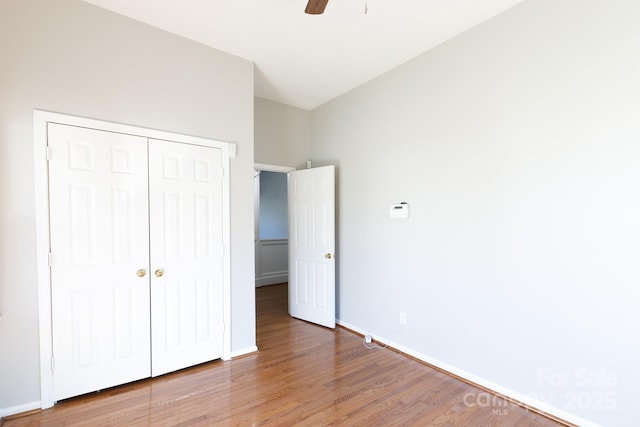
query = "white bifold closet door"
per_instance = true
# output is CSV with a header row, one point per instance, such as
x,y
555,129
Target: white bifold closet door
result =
x,y
136,276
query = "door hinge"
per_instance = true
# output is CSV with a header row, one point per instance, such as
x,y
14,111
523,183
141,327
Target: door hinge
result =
x,y
50,259
46,152
53,364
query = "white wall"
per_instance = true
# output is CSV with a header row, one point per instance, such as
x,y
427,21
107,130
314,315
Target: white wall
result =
x,y
273,222
517,146
282,138
282,134
70,57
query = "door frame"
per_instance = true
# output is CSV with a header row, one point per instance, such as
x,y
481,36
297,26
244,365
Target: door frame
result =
x,y
40,121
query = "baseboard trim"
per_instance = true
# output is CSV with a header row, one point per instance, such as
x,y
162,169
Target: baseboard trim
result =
x,y
512,396
5,413
244,352
272,279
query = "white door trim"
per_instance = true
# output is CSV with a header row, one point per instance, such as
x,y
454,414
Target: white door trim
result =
x,y
272,168
41,119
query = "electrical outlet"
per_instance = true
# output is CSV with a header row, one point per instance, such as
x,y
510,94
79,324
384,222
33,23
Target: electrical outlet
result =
x,y
367,339
403,318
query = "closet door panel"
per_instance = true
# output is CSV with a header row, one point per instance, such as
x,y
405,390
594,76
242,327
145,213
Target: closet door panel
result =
x,y
185,196
99,243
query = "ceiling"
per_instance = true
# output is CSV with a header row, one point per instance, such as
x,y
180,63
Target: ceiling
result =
x,y
305,60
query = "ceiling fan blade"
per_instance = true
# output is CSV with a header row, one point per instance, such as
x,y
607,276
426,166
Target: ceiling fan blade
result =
x,y
316,7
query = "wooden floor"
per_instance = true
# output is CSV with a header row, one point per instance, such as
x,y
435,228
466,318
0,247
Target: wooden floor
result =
x,y
303,375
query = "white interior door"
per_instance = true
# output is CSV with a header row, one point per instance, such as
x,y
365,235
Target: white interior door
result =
x,y
99,249
186,187
312,245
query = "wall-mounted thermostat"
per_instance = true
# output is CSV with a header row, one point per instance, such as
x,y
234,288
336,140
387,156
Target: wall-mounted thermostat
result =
x,y
399,211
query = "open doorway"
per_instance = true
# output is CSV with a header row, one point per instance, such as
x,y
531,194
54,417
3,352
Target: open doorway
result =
x,y
308,210
271,225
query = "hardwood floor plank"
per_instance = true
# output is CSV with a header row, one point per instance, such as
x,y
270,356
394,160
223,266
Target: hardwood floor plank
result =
x,y
303,375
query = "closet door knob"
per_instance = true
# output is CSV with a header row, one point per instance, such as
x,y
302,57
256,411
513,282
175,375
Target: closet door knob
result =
x,y
141,272
328,256
159,272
